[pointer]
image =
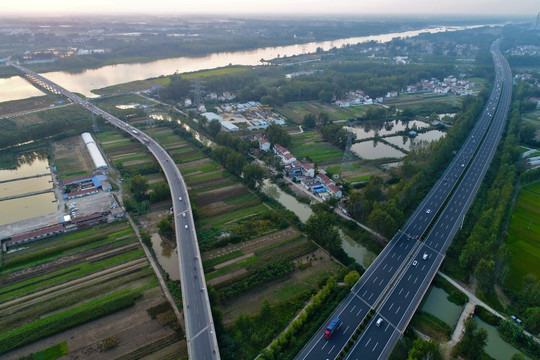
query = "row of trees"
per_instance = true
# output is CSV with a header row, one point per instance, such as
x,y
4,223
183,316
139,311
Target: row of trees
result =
x,y
483,249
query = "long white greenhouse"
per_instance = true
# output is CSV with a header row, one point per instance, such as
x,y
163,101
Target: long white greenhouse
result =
x,y
97,158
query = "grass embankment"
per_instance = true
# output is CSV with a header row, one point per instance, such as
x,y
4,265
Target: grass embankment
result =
x,y
524,237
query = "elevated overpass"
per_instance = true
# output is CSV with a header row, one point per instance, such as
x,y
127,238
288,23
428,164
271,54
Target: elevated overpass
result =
x,y
200,331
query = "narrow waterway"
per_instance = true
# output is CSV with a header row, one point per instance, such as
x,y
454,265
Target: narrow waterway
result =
x,y
496,347
301,210
166,256
356,250
436,303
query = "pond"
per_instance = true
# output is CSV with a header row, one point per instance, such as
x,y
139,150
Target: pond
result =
x,y
27,207
356,250
368,129
436,303
301,210
496,347
371,150
407,143
13,182
166,256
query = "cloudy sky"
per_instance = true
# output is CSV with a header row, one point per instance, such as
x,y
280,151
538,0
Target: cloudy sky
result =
x,y
272,7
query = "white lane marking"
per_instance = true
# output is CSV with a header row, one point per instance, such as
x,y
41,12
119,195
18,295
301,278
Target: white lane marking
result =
x,y
353,308
375,346
344,331
367,342
325,343
400,291
331,349
390,308
407,294
359,311
399,307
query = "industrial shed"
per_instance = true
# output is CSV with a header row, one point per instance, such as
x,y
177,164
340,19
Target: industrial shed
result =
x,y
97,158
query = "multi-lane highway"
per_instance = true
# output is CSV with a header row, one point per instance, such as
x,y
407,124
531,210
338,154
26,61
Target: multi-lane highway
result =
x,y
200,332
396,282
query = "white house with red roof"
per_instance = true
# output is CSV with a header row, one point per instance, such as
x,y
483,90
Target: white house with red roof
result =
x,y
264,144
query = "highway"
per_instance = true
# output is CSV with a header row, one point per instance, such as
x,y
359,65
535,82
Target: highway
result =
x,y
200,331
396,282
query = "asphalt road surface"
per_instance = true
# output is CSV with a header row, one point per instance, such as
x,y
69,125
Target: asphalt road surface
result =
x,y
200,332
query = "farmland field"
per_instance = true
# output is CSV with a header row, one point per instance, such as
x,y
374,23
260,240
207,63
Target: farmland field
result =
x,y
296,110
95,281
311,145
72,158
524,237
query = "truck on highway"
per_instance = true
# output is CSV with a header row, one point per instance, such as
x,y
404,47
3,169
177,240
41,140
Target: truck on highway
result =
x,y
146,140
331,328
135,131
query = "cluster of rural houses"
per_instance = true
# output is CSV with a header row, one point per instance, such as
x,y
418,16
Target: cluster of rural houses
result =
x,y
303,172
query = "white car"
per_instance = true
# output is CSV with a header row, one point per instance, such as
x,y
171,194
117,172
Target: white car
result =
x,y
414,263
424,257
184,215
186,227
180,198
428,211
379,321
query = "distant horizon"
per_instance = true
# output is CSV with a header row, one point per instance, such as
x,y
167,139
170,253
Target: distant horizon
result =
x,y
295,8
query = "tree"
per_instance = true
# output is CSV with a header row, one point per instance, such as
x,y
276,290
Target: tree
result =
x,y
166,228
310,121
253,176
160,192
424,350
277,134
473,342
323,118
320,228
532,320
527,134
351,278
214,127
138,186
484,273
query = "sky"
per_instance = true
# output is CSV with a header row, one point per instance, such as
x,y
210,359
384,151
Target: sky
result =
x,y
272,7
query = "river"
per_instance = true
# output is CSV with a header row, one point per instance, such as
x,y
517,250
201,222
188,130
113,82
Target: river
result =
x,y
87,80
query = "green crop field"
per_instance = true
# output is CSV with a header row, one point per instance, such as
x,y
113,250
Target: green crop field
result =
x,y
234,215
296,110
524,237
307,145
